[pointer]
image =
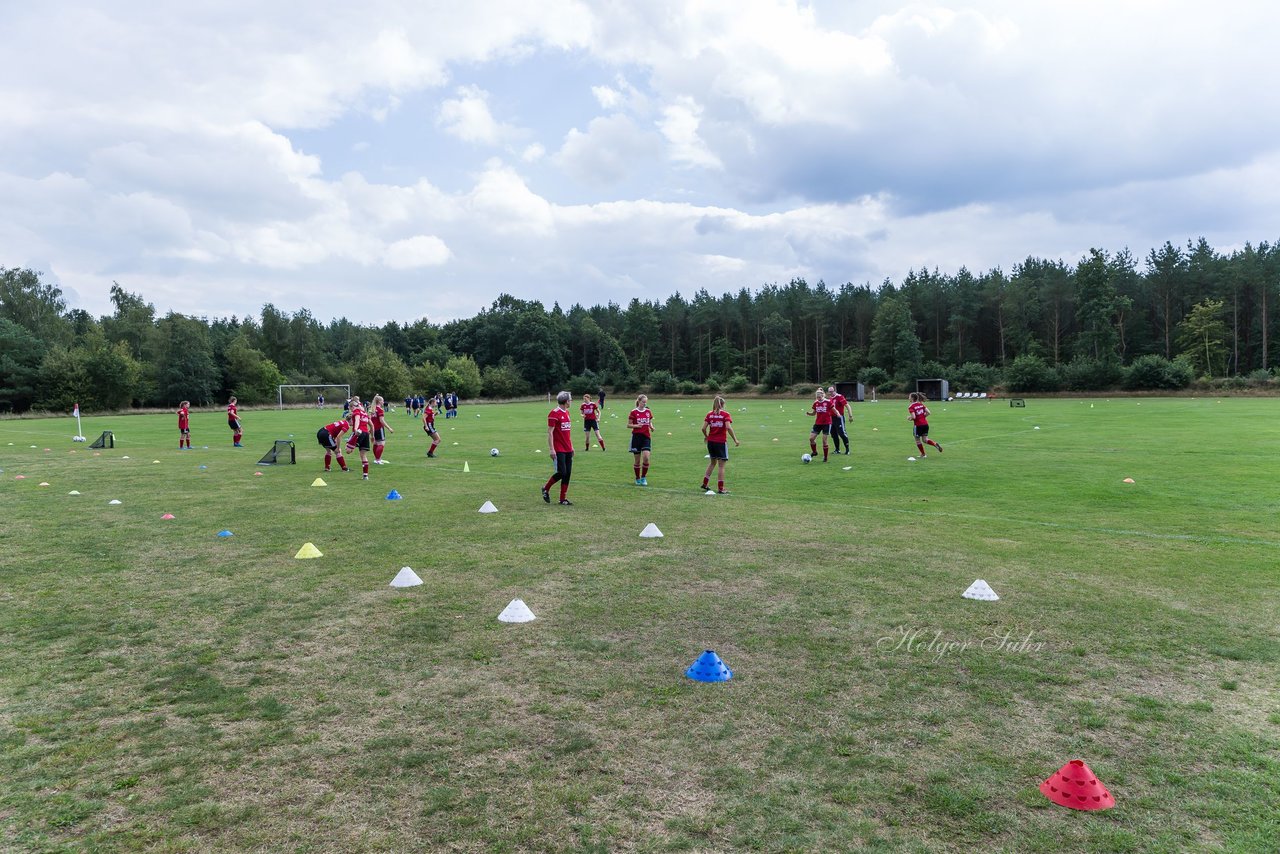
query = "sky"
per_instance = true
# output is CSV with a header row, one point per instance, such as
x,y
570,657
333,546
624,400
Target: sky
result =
x,y
393,160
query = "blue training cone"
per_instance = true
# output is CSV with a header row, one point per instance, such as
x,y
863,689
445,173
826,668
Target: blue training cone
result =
x,y
225,534
393,496
709,668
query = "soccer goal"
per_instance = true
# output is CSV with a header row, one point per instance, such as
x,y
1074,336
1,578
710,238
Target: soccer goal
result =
x,y
295,395
106,440
281,453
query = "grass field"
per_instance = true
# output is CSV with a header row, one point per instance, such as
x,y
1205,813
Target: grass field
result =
x,y
162,688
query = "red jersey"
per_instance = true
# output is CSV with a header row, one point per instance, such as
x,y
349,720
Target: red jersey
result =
x,y
589,411
232,413
643,419
337,428
360,421
183,423
378,423
718,425
822,411
919,414
838,403
428,416
562,431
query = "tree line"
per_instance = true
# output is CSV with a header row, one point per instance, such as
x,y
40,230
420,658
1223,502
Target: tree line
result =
x,y
1182,314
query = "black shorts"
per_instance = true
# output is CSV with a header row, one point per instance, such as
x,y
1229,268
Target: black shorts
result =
x,y
326,440
430,430
379,434
233,423
564,465
589,424
718,450
185,431
922,430
640,442
824,429
359,440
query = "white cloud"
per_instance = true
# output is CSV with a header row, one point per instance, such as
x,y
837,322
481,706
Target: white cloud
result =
x,y
609,150
679,125
419,251
468,118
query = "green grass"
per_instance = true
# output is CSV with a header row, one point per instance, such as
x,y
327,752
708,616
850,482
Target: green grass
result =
x,y
164,689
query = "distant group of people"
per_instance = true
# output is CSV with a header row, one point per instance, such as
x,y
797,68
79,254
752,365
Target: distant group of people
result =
x,y
415,407
369,429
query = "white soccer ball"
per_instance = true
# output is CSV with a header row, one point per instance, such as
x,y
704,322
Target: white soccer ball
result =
x,y
805,458
77,438
493,452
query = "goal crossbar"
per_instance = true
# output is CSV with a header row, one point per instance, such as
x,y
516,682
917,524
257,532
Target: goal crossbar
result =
x,y
280,390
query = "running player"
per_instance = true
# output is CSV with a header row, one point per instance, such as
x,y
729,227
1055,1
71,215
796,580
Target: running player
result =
x,y
429,426
233,421
361,426
380,429
716,428
839,405
328,437
560,443
640,423
918,415
184,425
821,413
590,422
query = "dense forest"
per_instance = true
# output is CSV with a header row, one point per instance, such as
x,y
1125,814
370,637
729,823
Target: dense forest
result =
x,y
1182,315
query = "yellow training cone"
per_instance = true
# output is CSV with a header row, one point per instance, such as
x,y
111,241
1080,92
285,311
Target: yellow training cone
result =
x,y
1128,480
319,482
308,550
466,467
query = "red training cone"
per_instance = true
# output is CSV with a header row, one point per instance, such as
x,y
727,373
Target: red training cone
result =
x,y
1077,787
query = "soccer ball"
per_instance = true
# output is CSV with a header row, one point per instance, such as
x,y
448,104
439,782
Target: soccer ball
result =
x,y
77,438
493,452
805,458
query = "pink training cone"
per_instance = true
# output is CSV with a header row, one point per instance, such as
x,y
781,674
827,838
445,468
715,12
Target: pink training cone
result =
x,y
1075,786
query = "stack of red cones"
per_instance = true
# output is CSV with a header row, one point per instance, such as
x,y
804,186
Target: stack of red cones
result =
x,y
1075,786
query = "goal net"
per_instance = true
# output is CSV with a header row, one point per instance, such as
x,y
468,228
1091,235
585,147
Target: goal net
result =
x,y
106,440
281,453
312,395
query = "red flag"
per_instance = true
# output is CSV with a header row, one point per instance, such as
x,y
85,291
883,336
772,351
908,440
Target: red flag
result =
x,y
75,413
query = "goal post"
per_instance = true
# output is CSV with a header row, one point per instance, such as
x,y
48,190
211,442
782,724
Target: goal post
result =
x,y
309,393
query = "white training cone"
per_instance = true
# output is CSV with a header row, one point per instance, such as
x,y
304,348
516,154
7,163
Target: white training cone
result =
x,y
114,501
516,612
911,459
406,577
74,492
708,492
980,590
650,530
488,507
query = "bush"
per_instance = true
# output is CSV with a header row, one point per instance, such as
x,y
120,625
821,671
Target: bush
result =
x,y
973,376
1259,378
1031,373
587,382
1084,374
503,380
662,382
873,377
689,387
715,382
1157,372
775,377
737,383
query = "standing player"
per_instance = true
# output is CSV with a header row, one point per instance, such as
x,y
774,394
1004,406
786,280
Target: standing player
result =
x,y
839,406
821,413
918,415
429,426
640,423
233,421
600,397
560,443
328,437
361,426
716,428
590,424
380,429
184,425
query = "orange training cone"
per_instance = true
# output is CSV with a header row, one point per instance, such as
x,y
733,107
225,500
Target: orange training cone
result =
x,y
1077,787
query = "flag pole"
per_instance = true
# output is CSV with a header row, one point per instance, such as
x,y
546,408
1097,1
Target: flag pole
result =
x,y
79,431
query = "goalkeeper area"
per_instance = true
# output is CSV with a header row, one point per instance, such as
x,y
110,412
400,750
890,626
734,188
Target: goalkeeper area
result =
x,y
310,395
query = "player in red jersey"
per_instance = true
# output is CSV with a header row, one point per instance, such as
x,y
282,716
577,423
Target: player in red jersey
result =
x,y
640,423
839,406
590,421
429,427
233,421
328,437
184,425
560,443
716,429
361,427
821,412
380,429
918,415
